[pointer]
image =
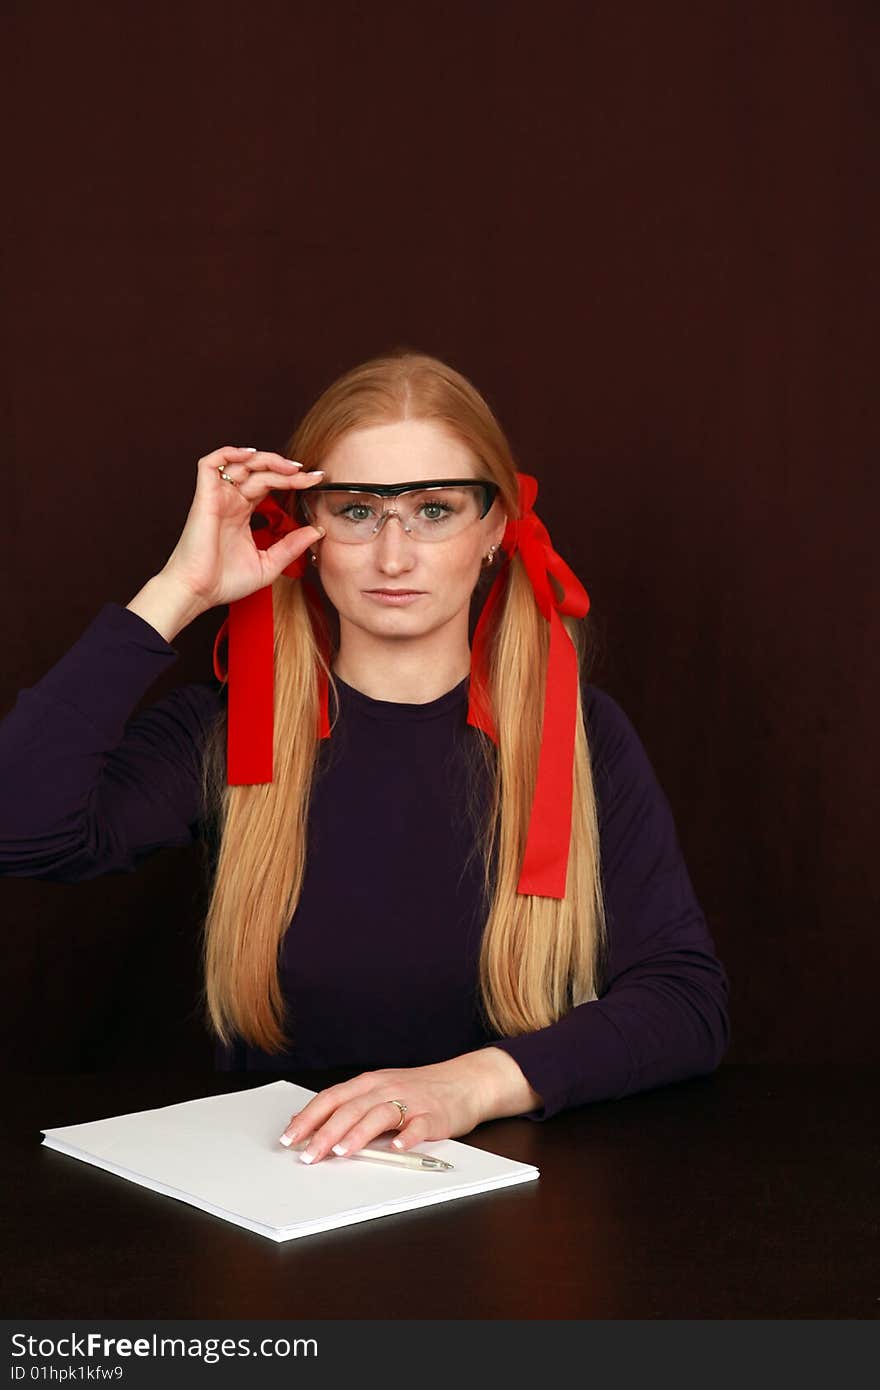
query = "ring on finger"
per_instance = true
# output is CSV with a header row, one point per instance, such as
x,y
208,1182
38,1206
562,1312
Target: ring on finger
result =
x,y
342,1148
221,469
403,1112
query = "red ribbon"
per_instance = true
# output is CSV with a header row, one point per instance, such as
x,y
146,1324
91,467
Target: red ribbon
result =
x,y
250,630
251,686
544,868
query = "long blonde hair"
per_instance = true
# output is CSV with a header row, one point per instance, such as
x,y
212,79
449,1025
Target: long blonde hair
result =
x,y
539,956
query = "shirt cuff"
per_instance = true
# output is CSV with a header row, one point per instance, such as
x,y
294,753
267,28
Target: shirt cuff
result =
x,y
581,1058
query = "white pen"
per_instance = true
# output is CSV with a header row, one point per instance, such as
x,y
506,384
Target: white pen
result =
x,y
412,1159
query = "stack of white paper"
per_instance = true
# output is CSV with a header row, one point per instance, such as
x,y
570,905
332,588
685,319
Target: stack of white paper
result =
x,y
222,1153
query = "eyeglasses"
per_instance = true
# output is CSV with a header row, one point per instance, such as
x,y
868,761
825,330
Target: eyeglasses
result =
x,y
434,510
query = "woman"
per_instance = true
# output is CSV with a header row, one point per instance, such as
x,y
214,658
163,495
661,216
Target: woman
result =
x,y
413,872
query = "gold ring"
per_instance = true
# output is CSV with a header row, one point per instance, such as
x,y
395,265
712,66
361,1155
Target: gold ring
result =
x,y
403,1109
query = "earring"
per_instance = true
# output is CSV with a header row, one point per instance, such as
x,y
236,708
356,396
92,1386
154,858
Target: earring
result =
x,y
313,556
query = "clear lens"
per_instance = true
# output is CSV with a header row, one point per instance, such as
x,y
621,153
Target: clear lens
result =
x,y
429,514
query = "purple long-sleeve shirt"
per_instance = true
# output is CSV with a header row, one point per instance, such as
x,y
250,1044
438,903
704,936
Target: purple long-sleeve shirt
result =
x,y
379,964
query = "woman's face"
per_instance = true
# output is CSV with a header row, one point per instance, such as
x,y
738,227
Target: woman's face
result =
x,y
444,572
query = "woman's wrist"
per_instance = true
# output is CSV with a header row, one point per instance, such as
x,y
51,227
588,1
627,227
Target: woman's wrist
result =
x,y
165,606
505,1090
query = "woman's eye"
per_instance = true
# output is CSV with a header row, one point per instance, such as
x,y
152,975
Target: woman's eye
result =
x,y
352,507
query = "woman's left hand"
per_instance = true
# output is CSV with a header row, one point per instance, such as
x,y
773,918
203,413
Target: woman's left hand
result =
x,y
442,1100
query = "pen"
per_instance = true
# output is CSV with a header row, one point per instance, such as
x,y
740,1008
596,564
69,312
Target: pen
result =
x,y
413,1159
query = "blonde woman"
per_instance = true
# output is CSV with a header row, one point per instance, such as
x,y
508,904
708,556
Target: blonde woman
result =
x,y
443,862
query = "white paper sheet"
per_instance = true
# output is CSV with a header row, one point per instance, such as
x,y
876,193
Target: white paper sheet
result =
x,y
222,1153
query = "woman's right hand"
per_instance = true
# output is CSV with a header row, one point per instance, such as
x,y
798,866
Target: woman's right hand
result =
x,y
216,560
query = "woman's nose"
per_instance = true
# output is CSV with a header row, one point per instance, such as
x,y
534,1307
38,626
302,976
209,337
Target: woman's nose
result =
x,y
390,515
391,530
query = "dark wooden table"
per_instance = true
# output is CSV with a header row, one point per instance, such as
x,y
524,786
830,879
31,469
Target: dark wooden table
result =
x,y
753,1193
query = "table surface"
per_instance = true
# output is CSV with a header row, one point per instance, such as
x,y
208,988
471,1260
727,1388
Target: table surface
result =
x,y
752,1193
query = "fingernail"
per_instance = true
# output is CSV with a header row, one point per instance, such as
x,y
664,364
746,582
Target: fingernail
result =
x,y
340,1149
320,530
285,1140
398,1143
307,1157
248,448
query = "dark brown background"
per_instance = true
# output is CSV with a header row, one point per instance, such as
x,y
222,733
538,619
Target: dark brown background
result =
x,y
647,233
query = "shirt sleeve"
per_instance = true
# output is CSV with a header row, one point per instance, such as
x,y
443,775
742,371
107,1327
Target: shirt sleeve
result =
x,y
87,789
662,1015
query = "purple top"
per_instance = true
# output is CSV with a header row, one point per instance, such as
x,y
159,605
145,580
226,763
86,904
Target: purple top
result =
x,y
379,964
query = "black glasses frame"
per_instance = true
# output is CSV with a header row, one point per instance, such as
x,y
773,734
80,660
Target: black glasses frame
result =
x,y
490,489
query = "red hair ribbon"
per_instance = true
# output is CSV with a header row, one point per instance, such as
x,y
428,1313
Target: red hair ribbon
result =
x,y
250,629
251,664
544,868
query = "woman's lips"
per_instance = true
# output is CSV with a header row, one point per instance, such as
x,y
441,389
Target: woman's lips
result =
x,y
400,598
